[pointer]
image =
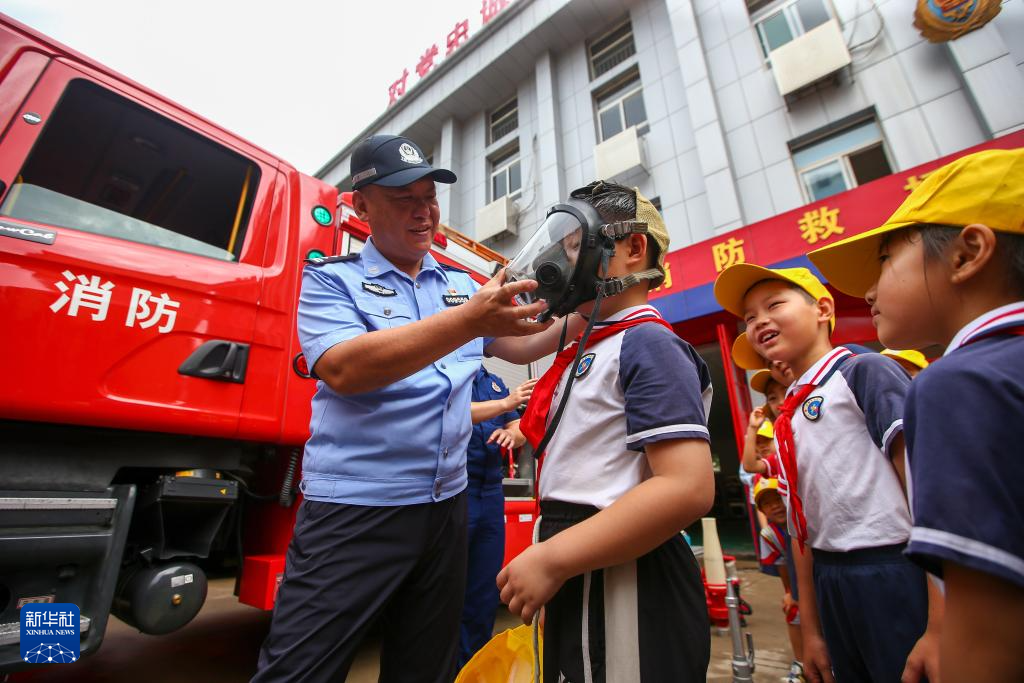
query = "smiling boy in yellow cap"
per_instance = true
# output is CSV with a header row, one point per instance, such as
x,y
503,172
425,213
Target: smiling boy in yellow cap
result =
x,y
840,446
948,268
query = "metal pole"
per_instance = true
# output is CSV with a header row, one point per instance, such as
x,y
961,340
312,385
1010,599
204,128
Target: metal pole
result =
x,y
742,660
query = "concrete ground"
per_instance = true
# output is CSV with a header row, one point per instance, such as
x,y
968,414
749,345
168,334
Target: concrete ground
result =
x,y
222,642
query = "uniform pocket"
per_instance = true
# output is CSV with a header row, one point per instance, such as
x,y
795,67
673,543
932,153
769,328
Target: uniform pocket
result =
x,y
382,313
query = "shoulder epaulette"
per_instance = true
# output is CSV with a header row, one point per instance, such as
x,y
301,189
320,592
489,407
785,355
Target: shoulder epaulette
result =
x,y
324,260
445,266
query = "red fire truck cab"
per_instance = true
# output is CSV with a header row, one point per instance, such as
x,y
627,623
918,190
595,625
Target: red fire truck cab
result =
x,y
155,398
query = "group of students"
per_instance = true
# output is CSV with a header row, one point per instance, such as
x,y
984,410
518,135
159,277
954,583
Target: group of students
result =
x,y
886,483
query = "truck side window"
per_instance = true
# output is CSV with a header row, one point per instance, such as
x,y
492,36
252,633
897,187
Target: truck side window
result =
x,y
106,165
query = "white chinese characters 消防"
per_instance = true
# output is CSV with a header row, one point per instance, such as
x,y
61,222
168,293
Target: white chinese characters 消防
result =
x,y
145,310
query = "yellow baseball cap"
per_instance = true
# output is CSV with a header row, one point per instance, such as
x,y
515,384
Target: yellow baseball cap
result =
x,y
763,485
735,281
744,355
759,380
766,430
909,355
985,187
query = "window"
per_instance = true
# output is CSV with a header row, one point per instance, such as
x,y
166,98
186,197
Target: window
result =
x,y
504,120
621,106
506,176
611,49
849,158
785,21
106,165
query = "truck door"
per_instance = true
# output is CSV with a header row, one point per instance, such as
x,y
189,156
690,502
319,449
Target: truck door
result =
x,y
131,242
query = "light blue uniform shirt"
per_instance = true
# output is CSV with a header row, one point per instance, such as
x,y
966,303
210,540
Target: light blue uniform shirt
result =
x,y
404,443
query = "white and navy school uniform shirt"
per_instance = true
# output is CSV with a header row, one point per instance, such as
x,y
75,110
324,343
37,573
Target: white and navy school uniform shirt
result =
x,y
637,387
843,433
963,422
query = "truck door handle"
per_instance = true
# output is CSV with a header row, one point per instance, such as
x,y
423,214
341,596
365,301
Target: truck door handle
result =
x,y
218,359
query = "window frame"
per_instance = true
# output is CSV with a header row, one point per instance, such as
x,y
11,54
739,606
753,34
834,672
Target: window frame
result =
x,y
492,123
849,178
788,9
592,56
620,89
248,203
502,163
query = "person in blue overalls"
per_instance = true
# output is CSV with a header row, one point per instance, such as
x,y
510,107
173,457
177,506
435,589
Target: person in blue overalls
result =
x,y
495,427
394,339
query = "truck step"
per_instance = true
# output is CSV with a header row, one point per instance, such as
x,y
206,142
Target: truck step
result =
x,y
10,633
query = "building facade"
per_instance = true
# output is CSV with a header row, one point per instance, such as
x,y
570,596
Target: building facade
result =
x,y
725,112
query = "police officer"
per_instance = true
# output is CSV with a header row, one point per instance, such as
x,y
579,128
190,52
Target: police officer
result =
x,y
495,427
394,339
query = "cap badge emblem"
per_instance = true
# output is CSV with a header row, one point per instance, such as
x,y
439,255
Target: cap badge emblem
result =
x,y
409,154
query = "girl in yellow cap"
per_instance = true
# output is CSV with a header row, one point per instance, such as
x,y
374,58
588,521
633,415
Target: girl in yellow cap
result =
x,y
948,268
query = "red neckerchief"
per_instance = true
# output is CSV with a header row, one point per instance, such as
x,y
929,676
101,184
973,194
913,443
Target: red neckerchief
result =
x,y
534,421
787,445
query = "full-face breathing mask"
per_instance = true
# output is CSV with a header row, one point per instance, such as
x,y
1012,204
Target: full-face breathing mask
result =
x,y
568,257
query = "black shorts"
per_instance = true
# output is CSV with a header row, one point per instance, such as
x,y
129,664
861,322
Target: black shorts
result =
x,y
644,620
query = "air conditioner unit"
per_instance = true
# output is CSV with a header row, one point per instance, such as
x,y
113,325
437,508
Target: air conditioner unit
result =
x,y
497,218
809,58
620,157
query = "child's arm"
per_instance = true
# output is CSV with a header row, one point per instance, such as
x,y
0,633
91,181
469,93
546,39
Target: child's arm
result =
x,y
681,490
981,638
817,665
751,463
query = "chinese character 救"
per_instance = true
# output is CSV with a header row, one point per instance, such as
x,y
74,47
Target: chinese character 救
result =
x,y
727,253
820,224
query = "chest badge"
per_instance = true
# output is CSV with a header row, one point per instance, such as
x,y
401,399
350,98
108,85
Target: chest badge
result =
x,y
585,364
379,290
812,408
454,299
494,385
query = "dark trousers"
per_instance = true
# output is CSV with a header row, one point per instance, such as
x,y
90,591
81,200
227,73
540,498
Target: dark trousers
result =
x,y
873,607
350,565
486,552
651,611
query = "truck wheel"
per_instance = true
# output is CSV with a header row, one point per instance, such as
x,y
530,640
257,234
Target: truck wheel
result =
x,y
162,598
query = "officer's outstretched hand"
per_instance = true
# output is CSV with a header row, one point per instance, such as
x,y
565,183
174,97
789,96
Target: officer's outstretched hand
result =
x,y
491,312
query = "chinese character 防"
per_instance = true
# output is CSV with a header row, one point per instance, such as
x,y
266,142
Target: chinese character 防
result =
x,y
458,35
727,253
426,62
490,8
397,89
820,224
148,315
87,293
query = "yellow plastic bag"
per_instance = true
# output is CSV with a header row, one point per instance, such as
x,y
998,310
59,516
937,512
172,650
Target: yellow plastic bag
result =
x,y
506,658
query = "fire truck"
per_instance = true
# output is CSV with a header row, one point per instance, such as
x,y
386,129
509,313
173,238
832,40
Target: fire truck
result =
x,y
155,399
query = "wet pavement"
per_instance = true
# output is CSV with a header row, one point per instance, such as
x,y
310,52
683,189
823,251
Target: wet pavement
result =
x,y
222,642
